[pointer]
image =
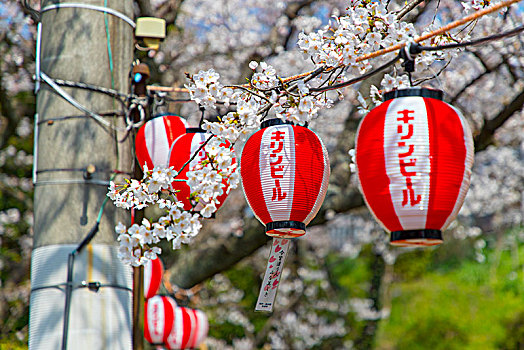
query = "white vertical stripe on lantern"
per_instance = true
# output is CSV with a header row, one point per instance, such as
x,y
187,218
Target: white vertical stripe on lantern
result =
x,y
203,327
192,329
323,185
278,210
156,318
410,217
174,340
196,142
156,141
148,271
468,163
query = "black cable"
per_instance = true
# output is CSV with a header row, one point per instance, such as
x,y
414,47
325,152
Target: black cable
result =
x,y
358,79
414,49
35,15
60,169
91,87
119,96
409,52
469,43
57,119
107,171
57,286
69,282
93,286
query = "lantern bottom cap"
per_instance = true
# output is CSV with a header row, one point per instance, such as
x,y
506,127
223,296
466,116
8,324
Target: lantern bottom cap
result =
x,y
285,229
416,238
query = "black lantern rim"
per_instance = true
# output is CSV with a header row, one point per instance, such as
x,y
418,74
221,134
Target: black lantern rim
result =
x,y
414,91
275,225
274,121
403,237
194,130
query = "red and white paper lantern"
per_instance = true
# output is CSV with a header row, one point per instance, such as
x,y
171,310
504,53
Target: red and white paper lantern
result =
x,y
285,171
189,330
154,139
153,271
183,149
159,317
414,155
202,328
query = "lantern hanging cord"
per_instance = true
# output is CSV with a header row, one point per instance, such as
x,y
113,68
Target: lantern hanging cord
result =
x,y
408,54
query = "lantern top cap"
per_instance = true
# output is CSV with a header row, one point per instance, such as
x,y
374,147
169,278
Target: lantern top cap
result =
x,y
274,121
422,92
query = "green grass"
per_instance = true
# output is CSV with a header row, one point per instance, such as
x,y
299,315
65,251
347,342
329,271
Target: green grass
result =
x,y
468,306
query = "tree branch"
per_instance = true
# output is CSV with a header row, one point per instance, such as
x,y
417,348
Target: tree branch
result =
x,y
487,70
145,8
485,137
170,11
9,121
204,261
407,8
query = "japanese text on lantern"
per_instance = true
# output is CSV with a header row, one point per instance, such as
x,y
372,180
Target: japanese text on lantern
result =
x,y
156,317
275,162
406,149
202,154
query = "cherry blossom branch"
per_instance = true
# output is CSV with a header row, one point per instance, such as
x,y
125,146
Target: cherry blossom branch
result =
x,y
244,88
467,19
381,52
193,156
357,79
485,136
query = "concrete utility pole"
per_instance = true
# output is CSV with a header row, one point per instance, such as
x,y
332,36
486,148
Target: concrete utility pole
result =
x,y
75,158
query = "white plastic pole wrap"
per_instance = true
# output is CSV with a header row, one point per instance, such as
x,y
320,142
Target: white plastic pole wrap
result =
x,y
98,319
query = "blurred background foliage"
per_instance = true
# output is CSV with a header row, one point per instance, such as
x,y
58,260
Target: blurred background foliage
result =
x,y
439,298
